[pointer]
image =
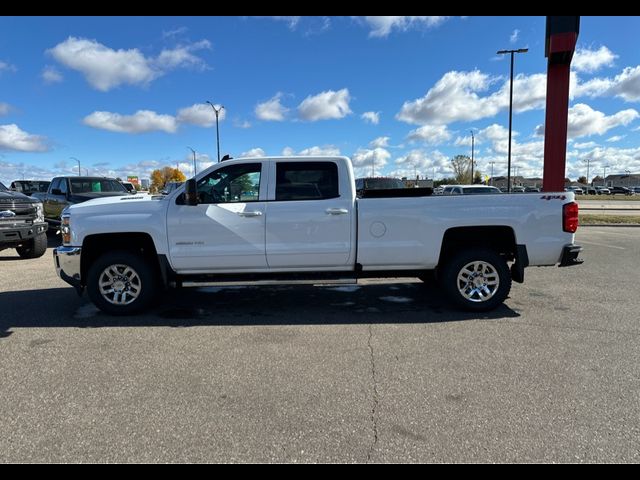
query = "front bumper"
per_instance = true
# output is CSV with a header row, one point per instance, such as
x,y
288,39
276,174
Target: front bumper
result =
x,y
16,234
67,263
570,255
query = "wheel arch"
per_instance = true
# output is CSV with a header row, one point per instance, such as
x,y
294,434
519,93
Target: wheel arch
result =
x,y
138,243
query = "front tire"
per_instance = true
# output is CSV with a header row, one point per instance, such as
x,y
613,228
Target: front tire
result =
x,y
121,283
477,279
34,248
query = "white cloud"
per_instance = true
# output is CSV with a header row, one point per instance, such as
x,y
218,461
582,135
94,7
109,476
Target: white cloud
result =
x,y
513,38
324,151
382,26
200,114
254,152
370,162
271,110
291,20
584,145
457,97
105,68
589,61
325,105
242,124
430,134
615,138
371,117
584,121
5,108
6,67
379,142
288,152
13,138
625,85
51,74
140,122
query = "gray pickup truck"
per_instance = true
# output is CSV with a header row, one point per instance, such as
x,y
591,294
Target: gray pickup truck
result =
x,y
22,224
65,191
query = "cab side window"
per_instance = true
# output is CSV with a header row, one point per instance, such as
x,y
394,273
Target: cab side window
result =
x,y
306,181
232,184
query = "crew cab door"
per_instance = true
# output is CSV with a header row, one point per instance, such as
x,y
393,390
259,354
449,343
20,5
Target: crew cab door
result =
x,y
309,220
225,232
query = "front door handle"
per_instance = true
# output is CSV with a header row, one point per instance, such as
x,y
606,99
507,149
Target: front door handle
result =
x,y
337,211
250,214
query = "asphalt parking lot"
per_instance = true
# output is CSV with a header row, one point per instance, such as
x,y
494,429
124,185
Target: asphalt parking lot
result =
x,y
379,372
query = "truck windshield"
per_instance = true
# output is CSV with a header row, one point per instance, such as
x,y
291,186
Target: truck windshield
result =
x,y
92,185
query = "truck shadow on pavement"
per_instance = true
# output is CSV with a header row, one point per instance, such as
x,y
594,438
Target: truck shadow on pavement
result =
x,y
390,303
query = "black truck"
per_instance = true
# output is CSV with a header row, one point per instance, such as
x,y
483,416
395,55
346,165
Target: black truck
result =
x,y
22,224
65,191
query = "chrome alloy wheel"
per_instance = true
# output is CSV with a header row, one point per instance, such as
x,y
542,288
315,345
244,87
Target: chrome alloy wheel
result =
x,y
119,284
478,281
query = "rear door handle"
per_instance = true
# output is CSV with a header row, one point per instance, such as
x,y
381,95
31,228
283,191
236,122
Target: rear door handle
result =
x,y
250,214
337,211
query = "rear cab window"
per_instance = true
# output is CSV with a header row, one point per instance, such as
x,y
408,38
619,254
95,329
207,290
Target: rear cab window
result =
x,y
306,181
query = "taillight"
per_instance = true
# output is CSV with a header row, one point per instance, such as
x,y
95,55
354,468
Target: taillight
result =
x,y
570,217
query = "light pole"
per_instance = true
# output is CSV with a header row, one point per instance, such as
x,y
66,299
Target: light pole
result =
x,y
194,161
492,164
501,52
217,112
472,145
628,172
79,172
587,161
604,175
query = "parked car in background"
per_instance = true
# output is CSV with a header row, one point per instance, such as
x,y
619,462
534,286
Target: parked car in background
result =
x,y
603,191
532,190
469,190
22,224
29,187
65,191
131,188
170,187
621,191
576,190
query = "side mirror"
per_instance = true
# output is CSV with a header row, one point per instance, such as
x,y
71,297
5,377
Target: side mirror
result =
x,y
190,192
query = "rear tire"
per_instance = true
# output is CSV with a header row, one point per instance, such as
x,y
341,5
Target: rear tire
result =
x,y
121,283
477,279
34,248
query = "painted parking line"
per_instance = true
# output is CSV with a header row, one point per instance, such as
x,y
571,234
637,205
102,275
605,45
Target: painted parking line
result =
x,y
602,245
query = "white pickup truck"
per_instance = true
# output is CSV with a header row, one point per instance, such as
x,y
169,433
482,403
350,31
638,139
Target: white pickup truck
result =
x,y
299,219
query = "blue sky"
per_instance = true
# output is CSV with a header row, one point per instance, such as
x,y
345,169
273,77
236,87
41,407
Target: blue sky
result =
x,y
399,95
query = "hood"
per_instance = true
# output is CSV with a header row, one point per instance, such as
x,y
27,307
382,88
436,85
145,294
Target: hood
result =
x,y
83,197
113,202
15,197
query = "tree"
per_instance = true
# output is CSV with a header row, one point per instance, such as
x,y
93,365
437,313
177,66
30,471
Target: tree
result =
x,y
582,180
461,165
159,178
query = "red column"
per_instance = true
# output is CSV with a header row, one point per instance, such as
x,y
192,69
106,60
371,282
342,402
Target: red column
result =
x,y
555,130
560,48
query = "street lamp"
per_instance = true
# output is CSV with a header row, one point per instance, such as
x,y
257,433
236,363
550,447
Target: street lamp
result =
x,y
79,172
472,144
628,172
194,161
501,52
587,161
492,164
217,112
